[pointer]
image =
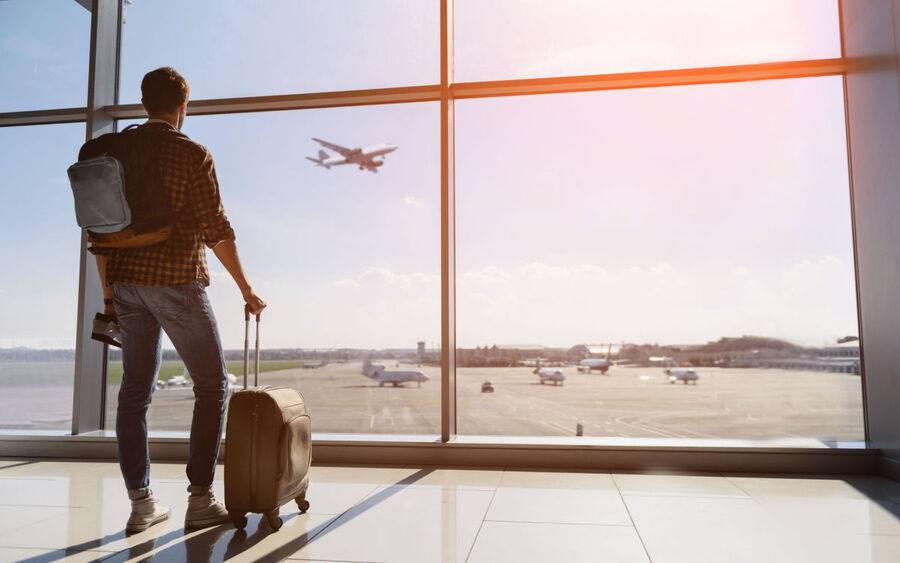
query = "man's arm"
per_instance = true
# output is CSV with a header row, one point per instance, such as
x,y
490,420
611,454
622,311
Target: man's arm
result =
x,y
216,231
226,252
108,308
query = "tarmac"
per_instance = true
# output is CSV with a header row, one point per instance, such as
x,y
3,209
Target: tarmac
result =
x,y
629,402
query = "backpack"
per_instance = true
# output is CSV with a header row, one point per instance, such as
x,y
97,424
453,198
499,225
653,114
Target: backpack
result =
x,y
120,199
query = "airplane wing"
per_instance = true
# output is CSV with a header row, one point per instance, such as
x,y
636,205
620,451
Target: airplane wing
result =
x,y
343,151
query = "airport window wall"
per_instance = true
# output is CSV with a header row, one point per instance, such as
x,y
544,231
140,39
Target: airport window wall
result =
x,y
44,48
347,260
39,280
697,232
652,235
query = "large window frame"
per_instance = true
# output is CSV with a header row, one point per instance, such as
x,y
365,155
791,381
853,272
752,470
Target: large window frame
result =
x,y
103,110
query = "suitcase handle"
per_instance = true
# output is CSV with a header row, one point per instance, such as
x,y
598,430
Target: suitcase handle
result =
x,y
247,348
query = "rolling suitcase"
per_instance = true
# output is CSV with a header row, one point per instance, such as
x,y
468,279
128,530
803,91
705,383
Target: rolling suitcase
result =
x,y
267,447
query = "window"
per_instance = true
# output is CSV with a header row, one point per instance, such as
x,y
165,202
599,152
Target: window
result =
x,y
233,48
703,227
640,262
44,49
39,283
347,259
532,38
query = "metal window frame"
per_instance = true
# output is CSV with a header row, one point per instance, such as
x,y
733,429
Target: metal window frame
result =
x,y
89,392
103,110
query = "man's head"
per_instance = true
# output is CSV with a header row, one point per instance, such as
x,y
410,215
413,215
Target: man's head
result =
x,y
164,94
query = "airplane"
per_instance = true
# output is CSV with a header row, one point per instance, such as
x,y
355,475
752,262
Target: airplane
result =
x,y
365,158
233,383
602,364
314,365
395,378
174,381
685,375
555,375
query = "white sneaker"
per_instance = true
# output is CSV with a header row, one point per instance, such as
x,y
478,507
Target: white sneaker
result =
x,y
145,511
203,509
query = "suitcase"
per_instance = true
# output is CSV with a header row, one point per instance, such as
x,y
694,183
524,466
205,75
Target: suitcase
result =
x,y
267,447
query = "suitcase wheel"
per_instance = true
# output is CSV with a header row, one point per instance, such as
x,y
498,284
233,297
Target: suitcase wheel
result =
x,y
302,504
239,520
274,520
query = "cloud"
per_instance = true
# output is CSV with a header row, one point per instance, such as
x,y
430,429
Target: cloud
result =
x,y
540,270
487,275
384,277
589,271
661,268
412,201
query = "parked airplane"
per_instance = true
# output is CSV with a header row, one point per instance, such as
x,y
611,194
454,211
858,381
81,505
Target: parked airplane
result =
x,y
233,383
395,378
365,158
175,381
555,375
685,375
602,364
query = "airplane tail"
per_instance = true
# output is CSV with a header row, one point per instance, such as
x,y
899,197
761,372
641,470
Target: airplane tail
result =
x,y
323,156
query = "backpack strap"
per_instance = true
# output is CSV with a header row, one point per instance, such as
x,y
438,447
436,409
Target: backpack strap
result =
x,y
132,126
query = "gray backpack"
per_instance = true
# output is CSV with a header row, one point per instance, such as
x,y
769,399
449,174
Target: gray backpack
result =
x,y
119,195
98,185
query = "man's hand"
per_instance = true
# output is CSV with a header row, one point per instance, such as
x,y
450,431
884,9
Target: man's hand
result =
x,y
255,305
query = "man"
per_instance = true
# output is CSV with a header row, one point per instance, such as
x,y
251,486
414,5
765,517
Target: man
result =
x,y
162,287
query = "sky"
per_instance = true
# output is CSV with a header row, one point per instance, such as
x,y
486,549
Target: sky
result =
x,y
671,215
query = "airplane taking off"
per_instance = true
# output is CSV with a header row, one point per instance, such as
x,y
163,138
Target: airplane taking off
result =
x,y
395,378
365,158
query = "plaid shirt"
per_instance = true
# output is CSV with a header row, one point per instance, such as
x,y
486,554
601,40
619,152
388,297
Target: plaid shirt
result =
x,y
189,176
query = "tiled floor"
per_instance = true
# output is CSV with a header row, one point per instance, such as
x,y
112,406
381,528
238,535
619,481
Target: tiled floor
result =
x,y
70,511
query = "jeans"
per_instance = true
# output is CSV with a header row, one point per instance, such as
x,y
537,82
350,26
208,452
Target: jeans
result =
x,y
185,314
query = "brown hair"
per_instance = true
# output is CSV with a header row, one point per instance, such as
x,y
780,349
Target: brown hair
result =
x,y
163,90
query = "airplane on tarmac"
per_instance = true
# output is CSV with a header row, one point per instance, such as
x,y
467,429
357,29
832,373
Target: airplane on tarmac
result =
x,y
395,378
684,375
602,364
554,375
365,158
182,380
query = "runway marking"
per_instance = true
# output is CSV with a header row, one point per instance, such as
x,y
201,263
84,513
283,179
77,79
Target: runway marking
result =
x,y
557,426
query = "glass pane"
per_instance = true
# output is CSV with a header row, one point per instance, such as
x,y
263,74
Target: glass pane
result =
x,y
533,38
44,46
39,284
347,259
700,227
233,48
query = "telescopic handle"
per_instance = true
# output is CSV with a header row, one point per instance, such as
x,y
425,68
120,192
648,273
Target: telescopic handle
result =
x,y
247,348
